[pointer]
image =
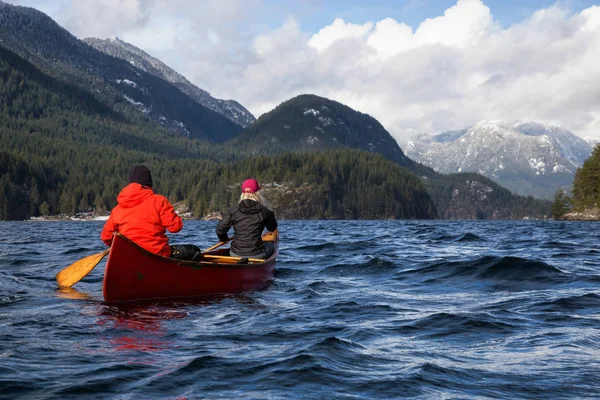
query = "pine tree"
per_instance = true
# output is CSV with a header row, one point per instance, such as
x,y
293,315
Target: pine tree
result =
x,y
561,204
99,206
45,209
34,198
586,185
83,204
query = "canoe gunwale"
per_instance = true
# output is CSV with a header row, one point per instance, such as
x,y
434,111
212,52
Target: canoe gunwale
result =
x,y
202,264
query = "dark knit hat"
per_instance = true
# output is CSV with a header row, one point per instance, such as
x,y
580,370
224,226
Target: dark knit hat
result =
x,y
140,174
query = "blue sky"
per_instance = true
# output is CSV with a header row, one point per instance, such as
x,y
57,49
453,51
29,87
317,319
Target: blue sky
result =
x,y
314,14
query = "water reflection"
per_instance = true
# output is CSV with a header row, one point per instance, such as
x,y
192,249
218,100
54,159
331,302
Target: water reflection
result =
x,y
142,326
72,294
137,327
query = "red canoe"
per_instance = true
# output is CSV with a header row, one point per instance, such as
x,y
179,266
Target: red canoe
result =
x,y
133,273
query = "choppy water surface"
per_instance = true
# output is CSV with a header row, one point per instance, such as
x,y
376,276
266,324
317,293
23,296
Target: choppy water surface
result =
x,y
358,309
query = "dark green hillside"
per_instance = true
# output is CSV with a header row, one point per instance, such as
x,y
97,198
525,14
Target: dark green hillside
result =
x,y
115,82
43,116
472,196
49,129
334,184
27,93
21,187
64,152
586,185
312,123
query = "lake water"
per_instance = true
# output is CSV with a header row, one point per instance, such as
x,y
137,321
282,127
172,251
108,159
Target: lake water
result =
x,y
357,310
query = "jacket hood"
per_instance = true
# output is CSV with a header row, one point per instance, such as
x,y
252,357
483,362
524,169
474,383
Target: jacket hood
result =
x,y
133,194
249,207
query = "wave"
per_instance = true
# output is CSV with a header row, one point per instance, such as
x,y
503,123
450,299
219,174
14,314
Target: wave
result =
x,y
466,237
77,250
469,237
12,289
444,324
587,302
375,265
345,308
317,247
491,268
556,244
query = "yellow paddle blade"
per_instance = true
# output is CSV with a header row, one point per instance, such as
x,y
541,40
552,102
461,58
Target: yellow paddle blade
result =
x,y
270,236
79,269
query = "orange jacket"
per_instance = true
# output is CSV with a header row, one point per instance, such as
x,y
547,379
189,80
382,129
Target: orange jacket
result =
x,y
143,217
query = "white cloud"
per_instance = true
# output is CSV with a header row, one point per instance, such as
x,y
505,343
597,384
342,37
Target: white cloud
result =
x,y
592,18
463,24
338,30
390,37
451,71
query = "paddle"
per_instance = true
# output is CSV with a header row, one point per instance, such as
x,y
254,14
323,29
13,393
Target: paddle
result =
x,y
258,260
79,269
218,245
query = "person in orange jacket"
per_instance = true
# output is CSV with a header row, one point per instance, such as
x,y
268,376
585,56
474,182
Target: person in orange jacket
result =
x,y
144,216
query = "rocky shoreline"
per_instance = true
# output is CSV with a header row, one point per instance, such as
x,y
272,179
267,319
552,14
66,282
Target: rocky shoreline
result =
x,y
589,214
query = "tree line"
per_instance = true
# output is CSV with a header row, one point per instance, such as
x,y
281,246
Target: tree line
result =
x,y
585,194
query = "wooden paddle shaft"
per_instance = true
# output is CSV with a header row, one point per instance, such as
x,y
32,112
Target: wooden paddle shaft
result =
x,y
260,260
218,245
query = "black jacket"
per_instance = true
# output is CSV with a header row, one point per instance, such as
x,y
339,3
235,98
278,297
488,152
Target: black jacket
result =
x,y
249,219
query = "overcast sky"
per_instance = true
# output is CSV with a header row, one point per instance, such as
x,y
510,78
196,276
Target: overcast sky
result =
x,y
415,65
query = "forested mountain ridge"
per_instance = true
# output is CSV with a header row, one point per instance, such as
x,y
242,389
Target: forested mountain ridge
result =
x,y
308,123
64,152
140,59
115,82
472,196
332,184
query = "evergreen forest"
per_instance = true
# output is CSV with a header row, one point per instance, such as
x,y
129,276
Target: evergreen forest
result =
x,y
64,151
585,195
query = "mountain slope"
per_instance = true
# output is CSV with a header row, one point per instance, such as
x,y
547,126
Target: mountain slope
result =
x,y
142,60
472,196
309,123
527,158
63,151
37,38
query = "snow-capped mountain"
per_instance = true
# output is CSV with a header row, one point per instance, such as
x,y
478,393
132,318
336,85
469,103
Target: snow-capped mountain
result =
x,y
140,59
528,158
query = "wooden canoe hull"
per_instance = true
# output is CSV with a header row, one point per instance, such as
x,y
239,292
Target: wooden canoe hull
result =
x,y
133,273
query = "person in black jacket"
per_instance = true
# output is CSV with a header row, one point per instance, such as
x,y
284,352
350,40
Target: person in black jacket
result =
x,y
249,218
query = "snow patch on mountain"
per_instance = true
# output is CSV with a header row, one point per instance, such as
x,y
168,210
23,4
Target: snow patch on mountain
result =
x,y
138,104
127,82
510,153
312,140
140,59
